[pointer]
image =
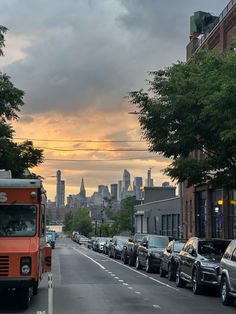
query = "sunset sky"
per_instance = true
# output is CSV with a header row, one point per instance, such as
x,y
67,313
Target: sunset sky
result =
x,y
76,60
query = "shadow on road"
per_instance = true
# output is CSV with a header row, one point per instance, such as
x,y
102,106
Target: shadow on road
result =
x,y
9,303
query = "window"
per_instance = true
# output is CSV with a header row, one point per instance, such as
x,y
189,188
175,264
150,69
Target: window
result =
x,y
17,220
43,221
234,255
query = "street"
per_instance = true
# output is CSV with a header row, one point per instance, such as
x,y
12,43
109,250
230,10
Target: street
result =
x,y
88,282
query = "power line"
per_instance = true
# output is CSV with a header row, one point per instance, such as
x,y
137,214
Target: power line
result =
x,y
79,141
96,149
92,160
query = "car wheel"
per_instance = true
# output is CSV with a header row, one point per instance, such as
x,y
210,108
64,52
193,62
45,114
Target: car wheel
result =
x,y
125,258
180,283
224,292
171,276
148,266
197,289
162,271
137,265
131,260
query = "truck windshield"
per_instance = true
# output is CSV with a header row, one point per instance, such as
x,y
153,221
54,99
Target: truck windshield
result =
x,y
17,220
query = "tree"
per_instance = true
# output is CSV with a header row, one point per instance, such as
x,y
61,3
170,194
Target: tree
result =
x,y
82,221
13,156
68,222
191,107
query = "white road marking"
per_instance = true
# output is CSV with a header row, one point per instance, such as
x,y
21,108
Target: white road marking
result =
x,y
130,288
137,292
156,306
100,265
116,277
121,280
125,284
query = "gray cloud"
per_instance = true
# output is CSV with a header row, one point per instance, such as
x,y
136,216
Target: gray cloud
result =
x,y
91,53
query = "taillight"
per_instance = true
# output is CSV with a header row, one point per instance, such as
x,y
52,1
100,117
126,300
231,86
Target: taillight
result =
x,y
25,265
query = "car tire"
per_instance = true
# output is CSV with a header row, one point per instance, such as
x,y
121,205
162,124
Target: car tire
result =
x,y
137,264
197,288
131,259
180,283
125,258
226,299
148,267
170,274
162,271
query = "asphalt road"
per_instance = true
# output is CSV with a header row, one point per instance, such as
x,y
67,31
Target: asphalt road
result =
x,y
88,282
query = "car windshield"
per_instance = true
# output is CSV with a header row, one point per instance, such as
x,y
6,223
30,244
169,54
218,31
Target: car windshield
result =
x,y
121,241
178,246
139,237
159,242
215,247
17,220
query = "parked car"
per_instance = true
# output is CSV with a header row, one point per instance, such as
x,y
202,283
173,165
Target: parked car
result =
x,y
83,240
150,251
52,235
74,235
106,246
228,275
129,251
169,260
90,242
100,244
115,246
199,263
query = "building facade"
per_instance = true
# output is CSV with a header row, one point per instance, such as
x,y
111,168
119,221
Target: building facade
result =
x,y
209,212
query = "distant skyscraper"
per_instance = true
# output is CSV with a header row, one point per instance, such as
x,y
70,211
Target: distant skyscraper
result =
x,y
119,192
125,183
114,190
138,183
149,180
60,193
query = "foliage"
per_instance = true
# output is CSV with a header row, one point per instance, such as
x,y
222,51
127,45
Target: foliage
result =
x,y
68,222
82,221
190,107
13,156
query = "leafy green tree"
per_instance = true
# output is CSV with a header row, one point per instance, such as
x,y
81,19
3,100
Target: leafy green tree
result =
x,y
68,222
82,221
191,107
13,156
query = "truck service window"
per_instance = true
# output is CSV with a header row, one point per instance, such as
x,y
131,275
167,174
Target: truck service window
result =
x,y
17,220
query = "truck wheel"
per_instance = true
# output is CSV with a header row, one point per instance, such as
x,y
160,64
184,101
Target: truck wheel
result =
x,y
24,296
35,288
224,293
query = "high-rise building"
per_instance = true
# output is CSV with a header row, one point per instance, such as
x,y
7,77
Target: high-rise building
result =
x,y
137,184
103,190
60,193
114,191
119,192
149,180
125,183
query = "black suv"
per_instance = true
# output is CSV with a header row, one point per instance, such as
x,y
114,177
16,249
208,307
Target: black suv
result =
x,y
228,275
199,263
130,249
170,258
115,246
150,251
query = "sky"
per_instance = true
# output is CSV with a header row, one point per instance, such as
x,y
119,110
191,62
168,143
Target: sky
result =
x,y
77,60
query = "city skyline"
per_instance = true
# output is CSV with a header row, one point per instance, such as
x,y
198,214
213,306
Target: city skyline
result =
x,y
75,79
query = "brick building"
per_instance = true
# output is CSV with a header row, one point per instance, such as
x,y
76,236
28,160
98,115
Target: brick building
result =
x,y
208,212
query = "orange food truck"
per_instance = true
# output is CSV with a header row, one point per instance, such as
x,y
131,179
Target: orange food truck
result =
x,y
24,253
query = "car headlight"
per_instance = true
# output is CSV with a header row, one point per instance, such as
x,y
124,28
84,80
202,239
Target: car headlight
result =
x,y
25,266
209,265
